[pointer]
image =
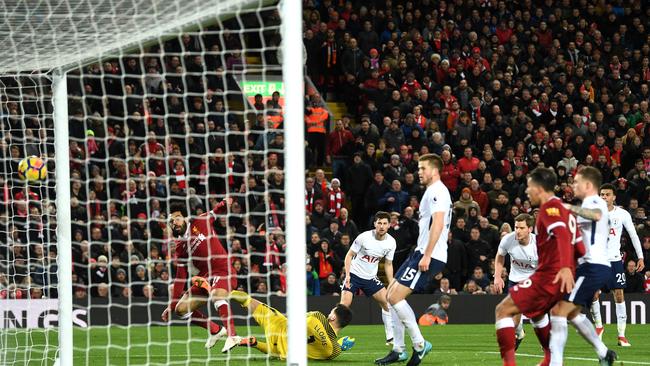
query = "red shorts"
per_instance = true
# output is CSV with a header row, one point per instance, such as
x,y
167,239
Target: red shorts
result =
x,y
537,295
226,281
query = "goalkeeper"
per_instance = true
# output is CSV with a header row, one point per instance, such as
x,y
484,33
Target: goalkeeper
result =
x,y
321,330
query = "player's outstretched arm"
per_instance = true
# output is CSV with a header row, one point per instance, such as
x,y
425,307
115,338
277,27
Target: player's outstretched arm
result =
x,y
588,213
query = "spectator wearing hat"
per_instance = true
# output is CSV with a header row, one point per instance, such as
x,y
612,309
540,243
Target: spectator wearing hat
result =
x,y
395,169
99,273
466,202
335,198
320,218
119,282
139,280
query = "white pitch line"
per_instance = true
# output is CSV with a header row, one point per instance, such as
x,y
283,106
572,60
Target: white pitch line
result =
x,y
572,358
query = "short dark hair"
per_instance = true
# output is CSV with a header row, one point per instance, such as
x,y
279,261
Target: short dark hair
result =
x,y
178,207
381,215
608,186
528,219
592,175
544,177
343,315
433,159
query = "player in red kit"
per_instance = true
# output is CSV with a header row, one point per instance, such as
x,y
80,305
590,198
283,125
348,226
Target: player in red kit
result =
x,y
556,231
199,253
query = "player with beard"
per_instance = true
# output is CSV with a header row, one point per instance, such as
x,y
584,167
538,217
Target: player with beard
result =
x,y
199,253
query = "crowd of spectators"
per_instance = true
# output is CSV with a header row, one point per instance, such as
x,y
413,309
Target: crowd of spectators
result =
x,y
496,88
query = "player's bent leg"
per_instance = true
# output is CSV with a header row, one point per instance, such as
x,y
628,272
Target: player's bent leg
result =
x,y
188,308
218,297
505,326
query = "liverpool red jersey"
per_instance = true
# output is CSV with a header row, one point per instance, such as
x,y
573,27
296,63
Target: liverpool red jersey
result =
x,y
558,238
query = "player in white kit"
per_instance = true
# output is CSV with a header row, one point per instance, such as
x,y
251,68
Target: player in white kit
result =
x,y
427,260
593,270
521,246
362,263
618,219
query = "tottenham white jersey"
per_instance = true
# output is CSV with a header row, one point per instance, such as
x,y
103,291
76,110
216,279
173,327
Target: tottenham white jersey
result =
x,y
619,219
436,199
523,258
595,233
369,252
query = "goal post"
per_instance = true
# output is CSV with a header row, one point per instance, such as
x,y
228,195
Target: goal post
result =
x,y
292,69
67,45
63,235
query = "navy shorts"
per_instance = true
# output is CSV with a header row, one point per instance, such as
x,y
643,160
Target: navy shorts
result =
x,y
589,279
617,277
369,287
410,276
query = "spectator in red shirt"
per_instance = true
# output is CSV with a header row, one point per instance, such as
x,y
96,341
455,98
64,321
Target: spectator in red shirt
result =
x,y
450,173
599,148
479,196
467,163
476,59
336,150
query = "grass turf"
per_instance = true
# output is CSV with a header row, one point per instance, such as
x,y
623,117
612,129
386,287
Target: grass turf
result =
x,y
452,345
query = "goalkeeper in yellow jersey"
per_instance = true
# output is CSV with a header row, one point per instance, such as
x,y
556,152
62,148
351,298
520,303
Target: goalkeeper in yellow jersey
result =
x,y
321,329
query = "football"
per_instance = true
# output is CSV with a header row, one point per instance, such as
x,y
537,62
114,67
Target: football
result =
x,y
32,169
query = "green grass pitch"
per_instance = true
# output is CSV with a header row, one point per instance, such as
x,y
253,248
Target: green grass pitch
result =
x,y
452,345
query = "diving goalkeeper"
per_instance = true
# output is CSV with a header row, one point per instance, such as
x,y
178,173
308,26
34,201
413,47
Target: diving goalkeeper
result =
x,y
321,330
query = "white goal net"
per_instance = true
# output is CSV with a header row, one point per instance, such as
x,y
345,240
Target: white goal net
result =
x,y
169,104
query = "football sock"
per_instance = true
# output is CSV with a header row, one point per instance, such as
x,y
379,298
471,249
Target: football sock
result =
x,y
200,319
398,331
506,338
595,314
559,334
588,332
388,323
621,318
227,319
543,331
407,316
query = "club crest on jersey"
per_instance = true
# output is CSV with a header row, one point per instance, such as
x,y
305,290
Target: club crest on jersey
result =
x,y
195,230
553,211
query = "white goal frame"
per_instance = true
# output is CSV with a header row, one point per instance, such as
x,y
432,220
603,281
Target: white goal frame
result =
x,y
58,62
